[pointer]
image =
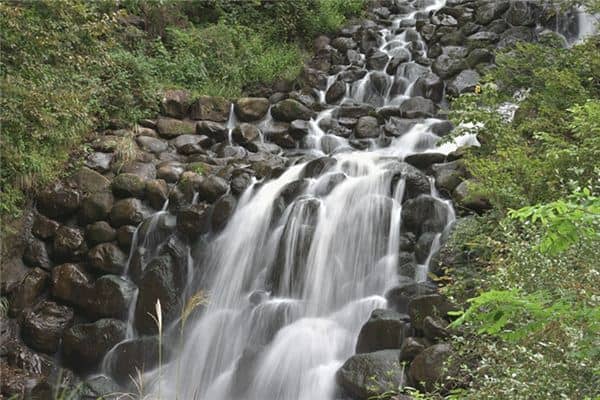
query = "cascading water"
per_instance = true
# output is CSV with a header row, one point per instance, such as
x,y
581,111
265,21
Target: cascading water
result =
x,y
306,257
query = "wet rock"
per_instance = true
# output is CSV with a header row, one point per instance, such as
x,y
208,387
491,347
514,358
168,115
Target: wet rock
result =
x,y
96,206
107,258
449,175
212,187
43,326
71,284
157,192
442,128
99,161
112,296
366,127
513,35
427,369
423,214
145,170
170,128
487,12
466,196
435,328
415,181
370,374
429,86
43,227
128,185
245,133
317,167
127,212
328,183
399,58
85,345
151,144
212,108
432,305
298,129
58,202
289,110
240,180
36,254
482,39
399,126
377,61
175,103
423,246
222,212
100,387
29,290
522,13
159,282
446,67
332,127
335,92
99,232
170,171
343,44
313,78
293,190
68,244
411,347
352,75
418,107
214,130
424,160
125,237
283,139
134,355
385,329
194,220
251,108
354,110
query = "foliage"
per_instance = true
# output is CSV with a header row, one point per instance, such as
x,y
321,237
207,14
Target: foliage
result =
x,y
69,67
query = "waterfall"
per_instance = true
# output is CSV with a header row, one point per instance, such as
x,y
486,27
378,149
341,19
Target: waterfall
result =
x,y
305,258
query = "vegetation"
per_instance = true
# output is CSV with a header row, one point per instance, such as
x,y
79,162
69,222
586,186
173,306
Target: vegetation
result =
x,y
70,67
530,267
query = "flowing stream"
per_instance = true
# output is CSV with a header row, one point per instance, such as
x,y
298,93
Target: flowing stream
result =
x,y
293,278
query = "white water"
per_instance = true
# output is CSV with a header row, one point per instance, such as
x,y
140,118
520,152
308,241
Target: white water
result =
x,y
290,285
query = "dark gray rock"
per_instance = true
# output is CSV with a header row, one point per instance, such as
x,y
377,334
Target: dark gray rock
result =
x,y
111,297
212,108
42,327
251,108
107,258
152,144
58,202
418,107
128,185
85,345
432,305
411,347
385,329
72,284
427,369
99,232
36,254
68,244
29,290
194,220
127,212
170,127
175,103
289,110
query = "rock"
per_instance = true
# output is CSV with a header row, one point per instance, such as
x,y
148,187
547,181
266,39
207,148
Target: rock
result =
x,y
251,108
170,171
427,369
170,128
446,67
222,212
112,296
58,202
435,328
448,175
159,282
107,258
423,214
465,196
157,192
128,357
125,237
71,284
429,86
36,254
343,44
42,327
317,167
411,347
100,387
418,107
99,161
85,345
245,133
442,128
194,220
145,170
424,160
377,61
385,329
68,244
313,78
212,108
521,13
214,130
399,126
482,39
399,297
431,305
96,206
487,12
354,110
298,129
370,374
366,127
335,92
151,144
240,180
128,185
127,212
415,181
212,187
99,232
289,110
29,290
175,103
89,181
43,227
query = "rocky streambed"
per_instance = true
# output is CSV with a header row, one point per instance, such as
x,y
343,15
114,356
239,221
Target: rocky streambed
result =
x,y
310,214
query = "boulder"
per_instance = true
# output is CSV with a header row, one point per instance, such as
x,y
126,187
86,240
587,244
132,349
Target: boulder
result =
x,y
222,212
85,345
335,92
446,67
175,103
128,185
36,254
429,86
448,175
251,108
343,44
170,127
29,290
424,160
159,282
418,107
317,167
240,181
71,284
152,144
423,214
416,182
522,13
96,206
210,188
399,297
364,376
214,130
43,227
68,244
58,202
411,347
127,212
131,356
377,60
431,305
99,161
487,12
107,258
435,328
125,235
42,327
367,127
289,110
99,232
194,220
427,369
111,297
467,197
385,329
245,133
212,108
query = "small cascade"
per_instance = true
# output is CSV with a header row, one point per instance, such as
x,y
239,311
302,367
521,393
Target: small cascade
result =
x,y
231,122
